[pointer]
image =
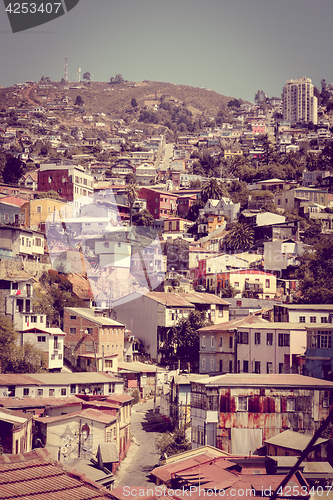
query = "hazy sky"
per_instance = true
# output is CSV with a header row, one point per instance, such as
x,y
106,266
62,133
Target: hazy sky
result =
x,y
234,47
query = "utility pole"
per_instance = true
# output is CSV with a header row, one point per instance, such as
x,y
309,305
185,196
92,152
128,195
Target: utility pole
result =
x,y
155,391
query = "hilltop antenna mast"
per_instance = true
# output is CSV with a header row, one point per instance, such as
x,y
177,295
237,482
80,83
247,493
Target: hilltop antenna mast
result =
x,y
66,71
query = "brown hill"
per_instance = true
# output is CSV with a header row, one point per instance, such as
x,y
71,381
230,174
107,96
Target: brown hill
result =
x,y
115,99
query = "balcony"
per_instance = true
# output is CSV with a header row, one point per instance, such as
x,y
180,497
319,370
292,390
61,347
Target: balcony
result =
x,y
254,287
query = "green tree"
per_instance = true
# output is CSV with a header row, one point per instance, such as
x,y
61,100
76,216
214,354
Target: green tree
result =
x,y
86,76
130,178
315,273
143,218
312,232
132,194
183,343
213,190
193,213
240,236
49,194
13,357
79,101
13,170
134,103
259,97
53,295
170,444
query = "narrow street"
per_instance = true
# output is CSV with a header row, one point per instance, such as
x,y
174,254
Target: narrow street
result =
x,y
142,455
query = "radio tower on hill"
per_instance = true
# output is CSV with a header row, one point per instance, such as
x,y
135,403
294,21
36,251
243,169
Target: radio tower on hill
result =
x,y
66,71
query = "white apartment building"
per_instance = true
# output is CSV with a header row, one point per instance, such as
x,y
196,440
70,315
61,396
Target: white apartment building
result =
x,y
300,105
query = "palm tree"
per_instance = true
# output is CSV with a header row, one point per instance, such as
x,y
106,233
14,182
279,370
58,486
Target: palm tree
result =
x,y
132,194
240,236
213,190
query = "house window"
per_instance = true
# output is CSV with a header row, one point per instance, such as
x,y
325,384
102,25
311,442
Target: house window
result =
x,y
72,317
230,342
63,391
203,364
39,209
245,366
269,340
244,337
221,340
203,344
284,339
220,313
242,403
326,403
90,331
33,319
324,319
281,370
41,338
212,365
212,341
291,404
302,319
111,388
324,340
72,330
108,363
230,366
269,367
268,283
236,284
257,338
40,393
51,392
26,391
257,367
313,319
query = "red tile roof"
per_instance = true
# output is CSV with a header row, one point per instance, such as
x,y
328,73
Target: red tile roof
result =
x,y
10,402
35,475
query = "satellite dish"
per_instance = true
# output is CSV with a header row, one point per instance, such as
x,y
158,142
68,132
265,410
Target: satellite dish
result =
x,y
86,390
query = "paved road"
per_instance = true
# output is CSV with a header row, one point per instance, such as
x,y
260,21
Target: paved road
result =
x,y
142,455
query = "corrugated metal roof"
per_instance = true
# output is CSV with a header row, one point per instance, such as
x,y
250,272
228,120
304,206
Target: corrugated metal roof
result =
x,y
35,475
88,313
10,402
73,378
293,440
203,298
268,380
233,324
137,366
91,413
170,299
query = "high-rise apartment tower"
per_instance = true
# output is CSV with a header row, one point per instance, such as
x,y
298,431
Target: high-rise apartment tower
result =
x,y
300,105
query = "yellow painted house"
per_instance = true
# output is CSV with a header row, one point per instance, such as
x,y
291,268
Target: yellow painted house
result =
x,y
38,210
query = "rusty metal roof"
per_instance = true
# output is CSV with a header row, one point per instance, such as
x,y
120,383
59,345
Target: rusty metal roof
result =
x,y
35,475
12,403
290,380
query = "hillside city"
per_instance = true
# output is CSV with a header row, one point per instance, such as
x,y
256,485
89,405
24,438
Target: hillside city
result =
x,y
166,298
